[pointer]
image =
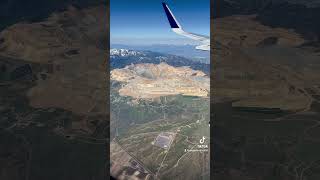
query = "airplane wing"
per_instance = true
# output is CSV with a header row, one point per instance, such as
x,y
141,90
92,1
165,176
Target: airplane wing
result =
x,y
176,27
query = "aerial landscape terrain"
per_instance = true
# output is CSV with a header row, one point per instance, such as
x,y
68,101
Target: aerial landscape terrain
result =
x,y
265,90
53,109
262,90
159,113
159,94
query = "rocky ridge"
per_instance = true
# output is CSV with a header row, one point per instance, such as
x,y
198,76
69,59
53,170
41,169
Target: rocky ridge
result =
x,y
71,45
251,76
147,81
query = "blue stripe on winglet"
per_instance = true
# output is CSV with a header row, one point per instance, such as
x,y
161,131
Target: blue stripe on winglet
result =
x,y
171,20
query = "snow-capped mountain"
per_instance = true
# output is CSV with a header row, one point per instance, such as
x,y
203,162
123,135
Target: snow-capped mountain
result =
x,y
125,53
119,58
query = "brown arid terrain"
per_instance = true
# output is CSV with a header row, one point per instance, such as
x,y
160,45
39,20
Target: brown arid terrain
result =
x,y
247,73
70,45
148,81
53,122
244,30
265,101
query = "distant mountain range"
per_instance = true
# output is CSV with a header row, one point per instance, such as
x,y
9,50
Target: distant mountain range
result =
x,y
187,51
124,53
119,58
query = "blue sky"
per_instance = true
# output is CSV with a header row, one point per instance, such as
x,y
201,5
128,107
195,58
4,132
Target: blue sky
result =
x,y
144,21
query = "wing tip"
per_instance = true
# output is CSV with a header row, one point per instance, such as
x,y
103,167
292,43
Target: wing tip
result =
x,y
170,16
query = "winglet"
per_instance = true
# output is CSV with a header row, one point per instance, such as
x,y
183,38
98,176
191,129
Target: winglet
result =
x,y
172,20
